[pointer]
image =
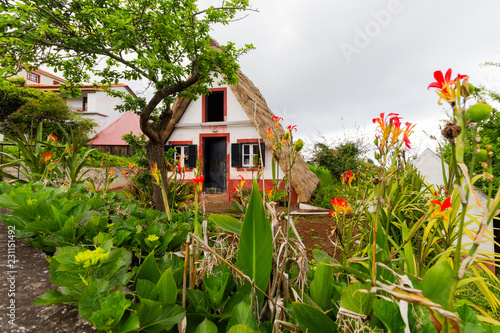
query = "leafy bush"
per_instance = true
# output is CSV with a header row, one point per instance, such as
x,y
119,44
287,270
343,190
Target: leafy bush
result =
x,y
339,159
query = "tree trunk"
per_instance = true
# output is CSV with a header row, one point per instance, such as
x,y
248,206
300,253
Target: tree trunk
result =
x,y
155,154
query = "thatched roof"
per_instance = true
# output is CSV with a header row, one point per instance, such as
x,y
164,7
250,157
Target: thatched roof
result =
x,y
304,181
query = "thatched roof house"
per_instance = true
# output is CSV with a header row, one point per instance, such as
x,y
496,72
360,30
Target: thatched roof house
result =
x,y
243,123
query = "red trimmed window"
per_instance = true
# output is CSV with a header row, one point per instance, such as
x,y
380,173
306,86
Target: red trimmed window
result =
x,y
247,155
34,77
214,105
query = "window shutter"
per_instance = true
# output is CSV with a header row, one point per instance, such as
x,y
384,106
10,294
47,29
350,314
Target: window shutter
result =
x,y
263,152
236,155
192,156
167,147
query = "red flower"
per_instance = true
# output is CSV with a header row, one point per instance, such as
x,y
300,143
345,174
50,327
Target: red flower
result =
x,y
277,121
290,128
199,181
47,157
339,206
445,85
444,205
443,210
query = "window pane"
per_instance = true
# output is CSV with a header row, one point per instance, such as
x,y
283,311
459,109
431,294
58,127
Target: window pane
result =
x,y
246,149
246,160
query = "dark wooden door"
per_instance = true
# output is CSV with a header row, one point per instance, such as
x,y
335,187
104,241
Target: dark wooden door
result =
x,y
215,165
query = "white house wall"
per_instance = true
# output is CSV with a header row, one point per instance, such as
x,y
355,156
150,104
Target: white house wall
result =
x,y
429,164
237,124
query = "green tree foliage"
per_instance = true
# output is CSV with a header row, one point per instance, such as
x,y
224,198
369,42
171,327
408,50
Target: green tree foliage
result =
x,y
27,107
164,42
339,159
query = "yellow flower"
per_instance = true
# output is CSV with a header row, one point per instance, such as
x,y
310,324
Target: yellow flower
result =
x,y
91,258
152,238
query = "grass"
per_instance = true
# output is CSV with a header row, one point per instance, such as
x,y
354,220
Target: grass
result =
x,y
327,189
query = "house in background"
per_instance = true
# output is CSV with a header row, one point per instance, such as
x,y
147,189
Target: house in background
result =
x,y
226,131
110,141
92,103
429,165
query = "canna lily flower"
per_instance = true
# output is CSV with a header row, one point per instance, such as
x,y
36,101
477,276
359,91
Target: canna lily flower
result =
x,y
242,181
111,172
340,206
52,138
131,166
290,128
156,174
269,133
443,210
125,173
347,177
446,86
199,182
269,192
276,121
47,157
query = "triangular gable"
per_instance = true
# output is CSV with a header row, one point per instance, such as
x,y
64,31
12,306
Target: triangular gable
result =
x,y
112,135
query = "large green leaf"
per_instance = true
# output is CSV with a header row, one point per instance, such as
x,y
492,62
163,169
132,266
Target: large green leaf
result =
x,y
436,284
206,326
149,269
255,249
227,223
388,313
242,314
100,307
240,328
321,286
167,287
312,320
355,298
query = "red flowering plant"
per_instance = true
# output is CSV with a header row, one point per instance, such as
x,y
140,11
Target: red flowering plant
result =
x,y
345,232
38,159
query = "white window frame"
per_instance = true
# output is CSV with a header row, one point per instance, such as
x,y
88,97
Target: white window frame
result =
x,y
34,75
253,150
184,150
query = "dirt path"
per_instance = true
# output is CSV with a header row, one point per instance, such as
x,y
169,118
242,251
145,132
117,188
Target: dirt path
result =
x,y
22,283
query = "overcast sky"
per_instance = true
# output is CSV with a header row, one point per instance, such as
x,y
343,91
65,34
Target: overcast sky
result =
x,y
330,66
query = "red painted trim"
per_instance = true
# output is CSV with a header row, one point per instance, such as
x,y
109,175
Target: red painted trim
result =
x,y
228,153
204,104
248,141
178,143
246,169
39,77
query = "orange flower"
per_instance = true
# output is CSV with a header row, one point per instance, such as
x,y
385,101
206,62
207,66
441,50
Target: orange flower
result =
x,y
155,173
443,208
340,206
47,157
111,172
276,121
52,138
125,172
269,192
131,166
347,177
269,133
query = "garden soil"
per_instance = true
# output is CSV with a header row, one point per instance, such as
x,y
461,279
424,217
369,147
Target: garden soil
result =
x,y
31,279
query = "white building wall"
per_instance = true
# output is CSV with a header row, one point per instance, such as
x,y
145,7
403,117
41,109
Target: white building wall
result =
x,y
429,164
237,125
